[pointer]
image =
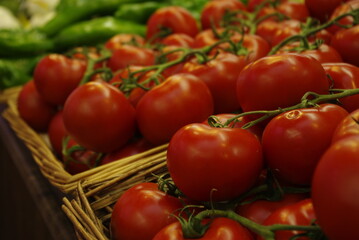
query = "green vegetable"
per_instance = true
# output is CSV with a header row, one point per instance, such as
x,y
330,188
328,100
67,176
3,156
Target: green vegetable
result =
x,y
69,12
95,31
194,6
16,72
18,42
138,12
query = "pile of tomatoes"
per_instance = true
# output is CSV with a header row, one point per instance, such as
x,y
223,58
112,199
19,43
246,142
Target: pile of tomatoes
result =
x,y
259,105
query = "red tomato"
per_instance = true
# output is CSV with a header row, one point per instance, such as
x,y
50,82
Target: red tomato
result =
x,y
344,76
181,99
173,18
172,56
99,117
324,54
220,229
220,75
80,160
292,10
214,11
300,213
256,46
142,211
258,211
57,132
127,55
32,108
335,191
346,43
322,9
223,117
347,127
214,164
340,10
178,39
130,149
294,141
253,4
56,76
279,81
121,39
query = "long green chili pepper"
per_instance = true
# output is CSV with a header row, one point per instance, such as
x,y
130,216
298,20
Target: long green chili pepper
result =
x,y
69,12
138,12
17,42
95,31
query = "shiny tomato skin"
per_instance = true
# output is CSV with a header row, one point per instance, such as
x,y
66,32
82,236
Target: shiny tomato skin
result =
x,y
220,75
258,211
56,76
346,43
335,191
175,18
179,40
279,81
293,142
322,9
299,213
340,10
126,55
344,76
181,99
142,211
347,127
121,39
223,162
57,132
214,11
99,117
33,109
220,229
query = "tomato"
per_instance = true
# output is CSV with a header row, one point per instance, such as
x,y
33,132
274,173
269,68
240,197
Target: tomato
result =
x,y
178,39
142,211
127,55
292,10
220,75
279,81
253,4
214,164
347,127
56,76
324,53
322,9
174,19
258,211
181,99
238,123
335,191
171,55
299,213
220,229
214,11
121,39
99,117
256,46
340,10
344,76
134,147
57,132
33,109
80,160
294,141
345,42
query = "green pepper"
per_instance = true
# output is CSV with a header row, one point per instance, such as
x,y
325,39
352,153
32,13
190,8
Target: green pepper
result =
x,y
138,12
69,12
18,42
95,31
16,71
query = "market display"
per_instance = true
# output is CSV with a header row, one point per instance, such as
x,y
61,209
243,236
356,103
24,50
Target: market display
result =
x,y
256,100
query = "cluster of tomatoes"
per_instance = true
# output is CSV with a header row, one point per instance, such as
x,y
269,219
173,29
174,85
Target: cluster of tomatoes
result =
x,y
253,101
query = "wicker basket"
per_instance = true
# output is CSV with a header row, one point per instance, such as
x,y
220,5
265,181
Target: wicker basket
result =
x,y
125,172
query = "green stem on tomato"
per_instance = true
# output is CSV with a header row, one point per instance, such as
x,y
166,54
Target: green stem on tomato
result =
x,y
305,103
267,232
312,30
